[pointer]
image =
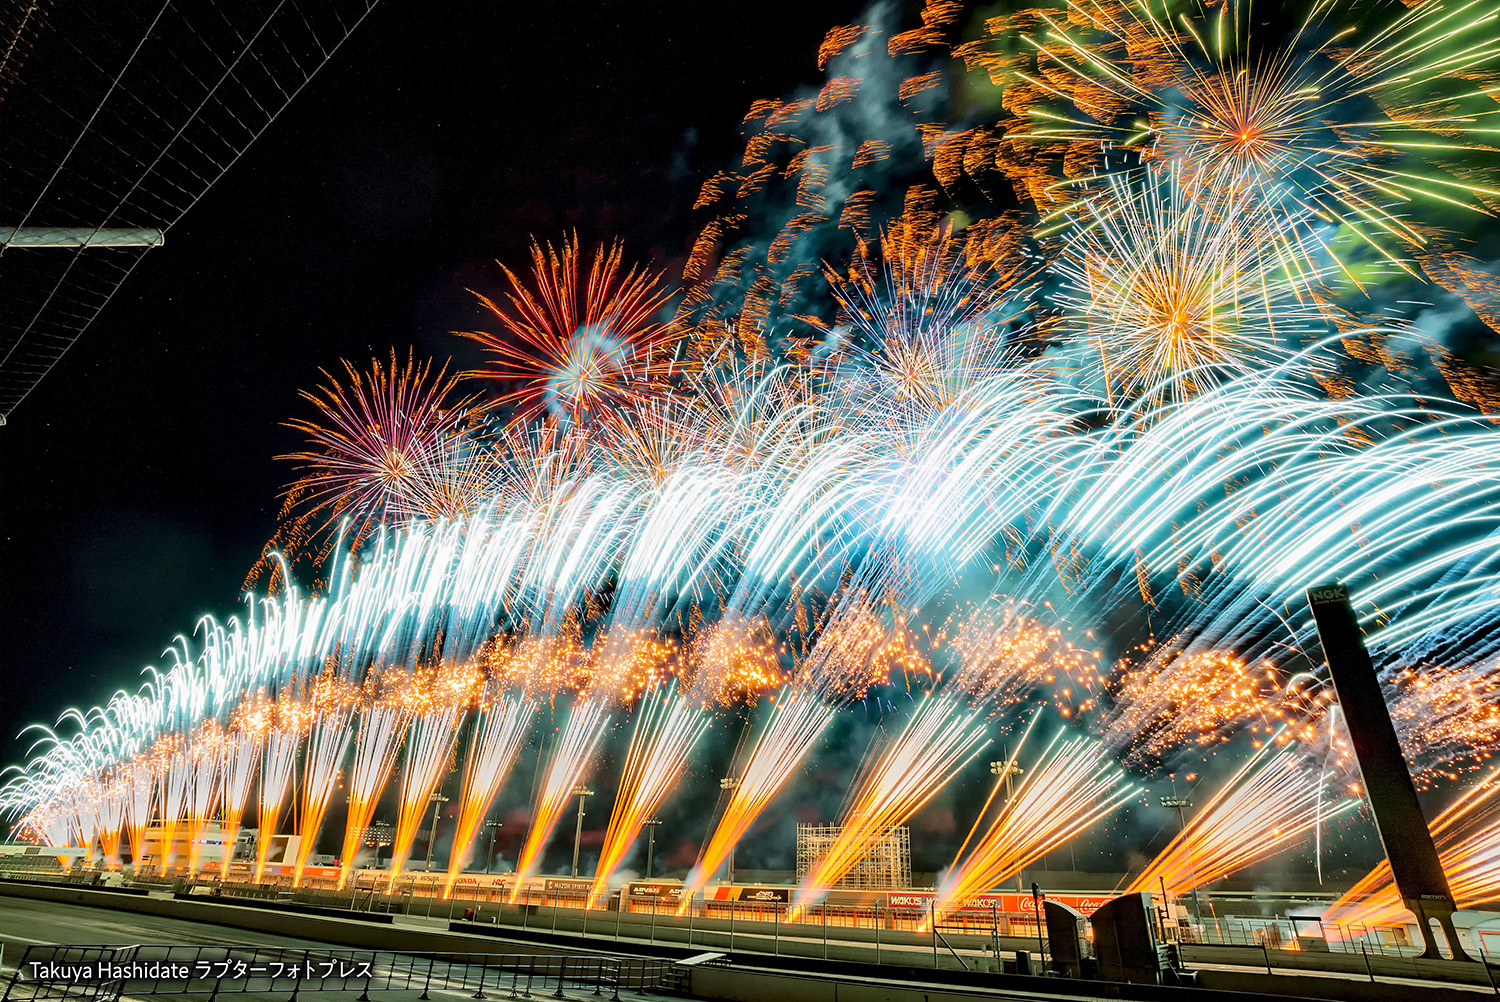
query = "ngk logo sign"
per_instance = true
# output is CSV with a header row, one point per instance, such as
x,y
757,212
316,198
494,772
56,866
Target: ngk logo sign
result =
x,y
1328,593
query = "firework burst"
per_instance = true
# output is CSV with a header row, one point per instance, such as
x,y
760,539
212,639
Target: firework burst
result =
x,y
381,448
1170,290
1347,118
575,342
1179,698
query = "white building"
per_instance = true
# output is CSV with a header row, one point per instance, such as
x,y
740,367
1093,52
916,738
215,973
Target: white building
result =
x,y
208,841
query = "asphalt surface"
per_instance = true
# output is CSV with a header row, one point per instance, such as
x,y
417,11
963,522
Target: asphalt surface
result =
x,y
24,922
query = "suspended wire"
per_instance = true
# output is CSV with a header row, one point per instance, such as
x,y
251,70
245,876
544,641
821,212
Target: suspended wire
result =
x,y
188,99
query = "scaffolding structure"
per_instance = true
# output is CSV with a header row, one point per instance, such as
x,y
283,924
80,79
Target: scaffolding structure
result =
x,y
886,866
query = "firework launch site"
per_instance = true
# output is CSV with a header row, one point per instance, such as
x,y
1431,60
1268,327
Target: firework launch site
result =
x,y
1028,524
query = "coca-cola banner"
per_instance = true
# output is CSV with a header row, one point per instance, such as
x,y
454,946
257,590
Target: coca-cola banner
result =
x,y
1003,903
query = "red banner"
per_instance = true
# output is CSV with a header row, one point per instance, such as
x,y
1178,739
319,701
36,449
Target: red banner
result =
x,y
1004,903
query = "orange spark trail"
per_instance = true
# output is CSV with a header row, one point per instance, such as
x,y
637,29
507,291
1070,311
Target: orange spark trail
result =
x,y
276,769
437,701
326,746
203,778
853,652
1467,834
570,759
939,740
139,780
1272,801
795,725
174,789
111,810
240,751
1073,786
497,739
666,732
427,749
380,732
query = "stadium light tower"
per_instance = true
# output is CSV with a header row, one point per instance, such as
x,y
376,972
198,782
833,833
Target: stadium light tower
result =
x,y
728,784
580,791
1181,804
437,800
651,825
999,769
494,827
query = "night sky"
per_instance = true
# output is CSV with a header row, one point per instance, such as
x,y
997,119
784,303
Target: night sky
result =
x,y
139,482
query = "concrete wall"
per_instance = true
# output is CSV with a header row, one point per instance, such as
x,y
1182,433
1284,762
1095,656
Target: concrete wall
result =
x,y
1359,964
774,938
316,927
737,984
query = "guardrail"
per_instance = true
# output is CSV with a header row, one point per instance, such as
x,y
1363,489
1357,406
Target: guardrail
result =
x,y
976,941
105,973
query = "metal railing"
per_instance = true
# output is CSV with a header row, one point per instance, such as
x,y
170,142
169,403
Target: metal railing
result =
x,y
106,973
974,939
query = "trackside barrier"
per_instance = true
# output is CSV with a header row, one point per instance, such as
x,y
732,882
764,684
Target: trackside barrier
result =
x,y
106,973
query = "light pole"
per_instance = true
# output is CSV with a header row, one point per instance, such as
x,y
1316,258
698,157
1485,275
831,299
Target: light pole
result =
x,y
1009,770
728,784
1181,804
437,801
1037,897
580,791
651,825
494,827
